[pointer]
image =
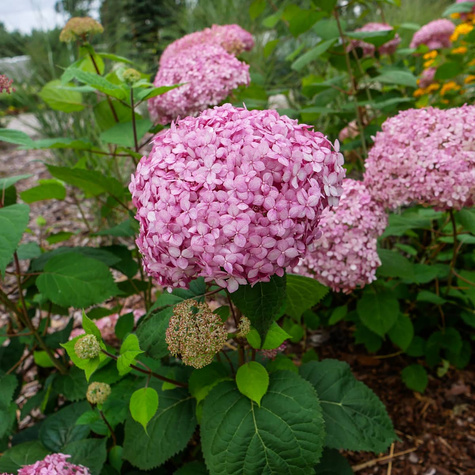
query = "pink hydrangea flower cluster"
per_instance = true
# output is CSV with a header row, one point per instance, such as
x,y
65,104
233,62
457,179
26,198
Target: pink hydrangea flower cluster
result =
x,y
349,132
232,38
6,84
233,195
209,74
425,156
434,35
54,464
427,77
346,255
389,47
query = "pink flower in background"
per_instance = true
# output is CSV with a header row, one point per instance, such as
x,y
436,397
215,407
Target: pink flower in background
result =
x,y
232,38
6,84
427,77
425,156
464,16
345,256
349,132
389,47
54,464
434,35
209,74
233,195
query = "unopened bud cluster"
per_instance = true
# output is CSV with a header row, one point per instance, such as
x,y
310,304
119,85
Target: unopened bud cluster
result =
x,y
244,326
97,393
131,76
79,28
87,347
195,333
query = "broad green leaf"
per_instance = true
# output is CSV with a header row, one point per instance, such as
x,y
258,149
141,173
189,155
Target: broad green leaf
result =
x,y
431,297
71,280
90,327
125,324
11,180
151,333
355,419
378,310
203,380
274,338
256,8
399,78
105,118
168,432
415,377
281,363
300,20
302,293
123,134
60,97
339,313
148,93
16,137
465,216
284,435
59,429
333,463
46,190
13,222
89,365
90,453
448,71
326,5
402,332
73,385
8,384
262,302
313,54
364,336
124,229
252,380
19,455
42,359
114,57
192,468
128,351
59,142
463,7
143,405
376,38
394,264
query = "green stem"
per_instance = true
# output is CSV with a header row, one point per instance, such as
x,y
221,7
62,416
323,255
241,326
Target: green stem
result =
x,y
454,254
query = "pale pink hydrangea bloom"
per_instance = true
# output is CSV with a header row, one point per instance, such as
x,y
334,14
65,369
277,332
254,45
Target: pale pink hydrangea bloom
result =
x,y
209,74
232,38
434,35
427,77
425,156
6,84
233,195
389,47
272,354
54,464
345,256
349,132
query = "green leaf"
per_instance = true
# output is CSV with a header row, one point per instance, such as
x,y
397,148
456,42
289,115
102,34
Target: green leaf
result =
x,y
90,453
22,454
312,55
301,20
90,327
262,302
366,337
394,264
128,351
60,429
46,190
376,38
333,463
448,71
274,338
192,468
13,222
9,181
399,78
463,7
252,380
73,385
465,216
123,133
114,57
125,324
60,97
124,229
402,332
8,384
431,297
60,142
42,359
203,380
326,5
168,432
71,280
339,313
378,311
148,93
415,377
143,405
281,363
355,419
284,435
302,293
256,8
16,137
151,333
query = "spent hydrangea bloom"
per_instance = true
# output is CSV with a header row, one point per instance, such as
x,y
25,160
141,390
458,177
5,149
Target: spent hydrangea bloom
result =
x,y
195,333
87,347
434,35
208,74
6,84
97,393
233,195
271,354
389,47
425,156
427,78
54,464
232,38
345,256
80,28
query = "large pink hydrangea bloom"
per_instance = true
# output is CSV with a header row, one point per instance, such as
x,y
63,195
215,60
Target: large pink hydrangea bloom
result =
x,y
209,74
389,47
232,38
233,195
434,35
54,464
345,256
425,156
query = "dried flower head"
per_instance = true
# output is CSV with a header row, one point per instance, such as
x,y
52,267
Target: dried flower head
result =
x,y
434,35
54,464
6,84
244,326
195,333
208,74
345,256
87,347
80,28
233,195
389,47
425,156
97,393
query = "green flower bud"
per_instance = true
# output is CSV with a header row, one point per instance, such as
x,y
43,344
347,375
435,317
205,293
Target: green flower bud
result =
x,y
87,347
131,76
97,393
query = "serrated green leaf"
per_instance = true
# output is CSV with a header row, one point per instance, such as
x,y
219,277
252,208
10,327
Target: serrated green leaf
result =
x,y
90,453
465,216
73,385
274,338
252,380
148,93
13,222
312,55
88,365
394,264
281,363
402,332
168,432
355,419
125,324
90,327
151,333
61,97
143,405
71,280
46,190
302,293
8,384
378,310
124,229
448,70
284,435
22,454
333,463
415,377
128,351
203,380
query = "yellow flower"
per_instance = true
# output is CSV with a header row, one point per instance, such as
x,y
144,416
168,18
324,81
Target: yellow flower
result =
x,y
429,63
471,63
430,55
450,86
459,50
469,79
455,16
462,29
419,92
432,88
